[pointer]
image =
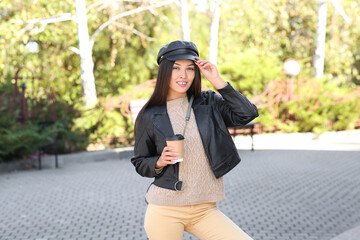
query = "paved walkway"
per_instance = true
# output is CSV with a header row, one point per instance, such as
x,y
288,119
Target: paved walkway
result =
x,y
290,194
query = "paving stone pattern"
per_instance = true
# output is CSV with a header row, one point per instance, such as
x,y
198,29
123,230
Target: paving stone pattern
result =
x,y
272,194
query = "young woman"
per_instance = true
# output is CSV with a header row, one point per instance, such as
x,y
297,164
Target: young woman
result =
x,y
183,195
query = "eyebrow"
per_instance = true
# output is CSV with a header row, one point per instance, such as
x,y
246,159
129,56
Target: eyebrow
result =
x,y
192,64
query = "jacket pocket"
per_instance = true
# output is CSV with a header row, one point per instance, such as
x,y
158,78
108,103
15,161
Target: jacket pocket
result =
x,y
224,147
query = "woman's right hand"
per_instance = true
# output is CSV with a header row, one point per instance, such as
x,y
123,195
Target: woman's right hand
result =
x,y
168,157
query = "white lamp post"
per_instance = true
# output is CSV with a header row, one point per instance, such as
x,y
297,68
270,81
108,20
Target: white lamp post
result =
x,y
32,47
291,68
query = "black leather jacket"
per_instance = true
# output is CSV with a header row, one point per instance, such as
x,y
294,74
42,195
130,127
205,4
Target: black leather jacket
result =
x,y
213,114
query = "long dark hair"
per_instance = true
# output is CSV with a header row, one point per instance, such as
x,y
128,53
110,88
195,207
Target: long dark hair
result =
x,y
161,90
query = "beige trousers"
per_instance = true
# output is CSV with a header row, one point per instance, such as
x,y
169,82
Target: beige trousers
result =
x,y
204,221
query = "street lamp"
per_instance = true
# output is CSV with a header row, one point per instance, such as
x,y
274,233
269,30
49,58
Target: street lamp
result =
x,y
32,47
291,68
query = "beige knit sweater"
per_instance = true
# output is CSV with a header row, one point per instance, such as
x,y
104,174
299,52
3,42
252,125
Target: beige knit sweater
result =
x,y
199,182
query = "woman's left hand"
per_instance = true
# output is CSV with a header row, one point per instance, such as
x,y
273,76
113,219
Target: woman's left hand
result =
x,y
210,72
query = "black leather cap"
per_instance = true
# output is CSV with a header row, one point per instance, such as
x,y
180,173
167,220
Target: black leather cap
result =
x,y
178,50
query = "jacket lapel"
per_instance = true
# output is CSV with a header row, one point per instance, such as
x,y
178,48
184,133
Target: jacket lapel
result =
x,y
162,121
201,113
163,124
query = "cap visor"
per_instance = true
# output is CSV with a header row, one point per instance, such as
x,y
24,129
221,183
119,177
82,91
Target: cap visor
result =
x,y
181,57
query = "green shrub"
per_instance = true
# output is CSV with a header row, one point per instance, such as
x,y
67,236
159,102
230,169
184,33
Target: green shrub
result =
x,y
48,118
19,140
251,72
108,127
67,139
321,106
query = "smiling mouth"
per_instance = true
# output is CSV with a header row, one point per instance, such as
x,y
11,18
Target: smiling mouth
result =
x,y
182,83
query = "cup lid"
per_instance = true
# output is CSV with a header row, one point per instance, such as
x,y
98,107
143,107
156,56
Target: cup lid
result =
x,y
176,137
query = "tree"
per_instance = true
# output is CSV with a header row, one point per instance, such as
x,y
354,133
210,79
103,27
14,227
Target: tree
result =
x,y
185,20
86,43
318,60
85,52
215,12
254,38
319,56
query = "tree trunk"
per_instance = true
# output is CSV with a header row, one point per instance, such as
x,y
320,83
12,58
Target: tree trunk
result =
x,y
185,27
86,61
114,29
319,56
335,39
214,30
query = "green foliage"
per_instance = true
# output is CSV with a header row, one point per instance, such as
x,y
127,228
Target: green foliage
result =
x,y
251,72
68,139
18,140
53,67
48,118
287,29
110,128
105,124
321,107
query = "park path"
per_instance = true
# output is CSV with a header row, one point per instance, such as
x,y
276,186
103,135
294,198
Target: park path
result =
x,y
291,194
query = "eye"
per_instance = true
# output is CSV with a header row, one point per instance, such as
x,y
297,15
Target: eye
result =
x,y
175,68
191,68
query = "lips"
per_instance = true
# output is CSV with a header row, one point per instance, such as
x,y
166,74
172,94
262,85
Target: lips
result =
x,y
181,83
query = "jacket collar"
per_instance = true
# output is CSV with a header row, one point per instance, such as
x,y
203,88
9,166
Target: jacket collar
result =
x,y
162,120
197,101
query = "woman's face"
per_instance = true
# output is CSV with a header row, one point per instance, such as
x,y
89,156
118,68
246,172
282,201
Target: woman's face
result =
x,y
182,76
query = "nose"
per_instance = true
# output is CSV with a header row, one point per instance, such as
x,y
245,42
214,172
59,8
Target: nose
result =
x,y
182,73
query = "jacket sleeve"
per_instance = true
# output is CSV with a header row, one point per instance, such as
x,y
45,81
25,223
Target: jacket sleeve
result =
x,y
145,155
235,108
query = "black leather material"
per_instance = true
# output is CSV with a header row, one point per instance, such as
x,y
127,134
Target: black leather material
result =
x,y
213,114
178,50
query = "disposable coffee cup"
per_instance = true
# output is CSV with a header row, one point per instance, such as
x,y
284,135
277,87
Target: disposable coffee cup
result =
x,y
177,142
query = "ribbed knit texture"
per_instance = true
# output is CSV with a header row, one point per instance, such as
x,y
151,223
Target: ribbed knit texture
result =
x,y
199,182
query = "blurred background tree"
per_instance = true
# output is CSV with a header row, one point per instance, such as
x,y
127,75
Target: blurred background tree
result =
x,y
254,39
